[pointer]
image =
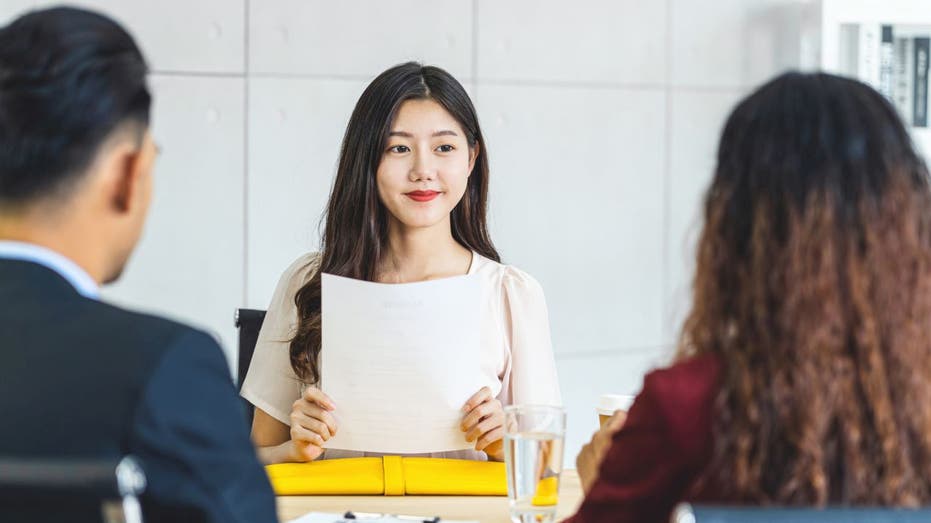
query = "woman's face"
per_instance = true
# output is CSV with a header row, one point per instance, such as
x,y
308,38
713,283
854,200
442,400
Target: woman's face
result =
x,y
425,166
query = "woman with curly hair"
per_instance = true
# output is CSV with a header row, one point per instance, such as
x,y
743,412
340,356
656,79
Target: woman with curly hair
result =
x,y
804,368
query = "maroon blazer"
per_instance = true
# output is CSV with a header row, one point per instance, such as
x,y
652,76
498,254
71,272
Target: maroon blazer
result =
x,y
664,445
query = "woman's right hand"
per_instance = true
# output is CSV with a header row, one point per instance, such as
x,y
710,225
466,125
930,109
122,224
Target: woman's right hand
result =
x,y
593,453
312,424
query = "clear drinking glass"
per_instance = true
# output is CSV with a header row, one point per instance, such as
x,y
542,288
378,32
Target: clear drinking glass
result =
x,y
533,443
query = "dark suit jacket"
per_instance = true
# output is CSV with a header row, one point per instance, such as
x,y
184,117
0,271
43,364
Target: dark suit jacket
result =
x,y
81,378
660,451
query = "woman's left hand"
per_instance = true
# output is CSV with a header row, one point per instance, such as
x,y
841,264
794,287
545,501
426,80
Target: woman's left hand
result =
x,y
483,423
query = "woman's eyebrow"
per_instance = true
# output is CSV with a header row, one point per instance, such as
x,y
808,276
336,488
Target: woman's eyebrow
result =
x,y
405,134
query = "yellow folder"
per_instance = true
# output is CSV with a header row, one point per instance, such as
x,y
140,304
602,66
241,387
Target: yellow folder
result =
x,y
389,476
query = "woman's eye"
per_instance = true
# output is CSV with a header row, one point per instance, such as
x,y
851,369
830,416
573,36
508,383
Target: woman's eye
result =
x,y
398,149
445,148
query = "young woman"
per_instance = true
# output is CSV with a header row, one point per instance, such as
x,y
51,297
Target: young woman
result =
x,y
804,374
408,204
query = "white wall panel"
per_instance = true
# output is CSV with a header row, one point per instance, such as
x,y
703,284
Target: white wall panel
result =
x,y
621,41
577,201
296,127
732,43
694,135
206,36
189,264
359,38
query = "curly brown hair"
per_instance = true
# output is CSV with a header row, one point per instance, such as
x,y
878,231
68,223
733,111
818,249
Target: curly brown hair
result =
x,y
813,289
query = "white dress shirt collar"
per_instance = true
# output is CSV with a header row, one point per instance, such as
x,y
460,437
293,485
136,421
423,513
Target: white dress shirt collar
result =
x,y
67,269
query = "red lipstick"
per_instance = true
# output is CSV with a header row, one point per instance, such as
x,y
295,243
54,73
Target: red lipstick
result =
x,y
422,196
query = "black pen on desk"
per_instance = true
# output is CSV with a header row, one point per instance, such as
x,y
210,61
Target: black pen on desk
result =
x,y
370,515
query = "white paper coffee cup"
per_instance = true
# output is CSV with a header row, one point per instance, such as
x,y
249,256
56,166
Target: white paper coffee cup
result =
x,y
609,403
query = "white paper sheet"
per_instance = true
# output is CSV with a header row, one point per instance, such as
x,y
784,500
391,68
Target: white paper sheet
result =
x,y
400,361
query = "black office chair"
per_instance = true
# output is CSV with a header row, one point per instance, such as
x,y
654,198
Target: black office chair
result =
x,y
686,513
76,490
249,322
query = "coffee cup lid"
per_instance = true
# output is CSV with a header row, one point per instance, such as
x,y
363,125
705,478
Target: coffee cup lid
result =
x,y
608,403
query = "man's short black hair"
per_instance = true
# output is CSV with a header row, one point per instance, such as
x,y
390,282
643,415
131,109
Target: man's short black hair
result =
x,y
68,78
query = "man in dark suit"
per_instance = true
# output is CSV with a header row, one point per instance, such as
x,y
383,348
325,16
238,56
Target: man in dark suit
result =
x,y
80,377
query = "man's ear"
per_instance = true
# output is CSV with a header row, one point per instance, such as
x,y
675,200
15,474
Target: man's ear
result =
x,y
125,179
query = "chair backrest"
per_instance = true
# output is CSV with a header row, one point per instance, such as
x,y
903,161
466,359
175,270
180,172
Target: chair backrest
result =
x,y
686,513
249,322
74,490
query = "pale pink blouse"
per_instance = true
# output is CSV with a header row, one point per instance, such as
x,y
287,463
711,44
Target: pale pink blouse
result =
x,y
516,348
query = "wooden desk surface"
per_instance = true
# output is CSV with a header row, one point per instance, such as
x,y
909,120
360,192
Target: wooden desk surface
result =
x,y
486,509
